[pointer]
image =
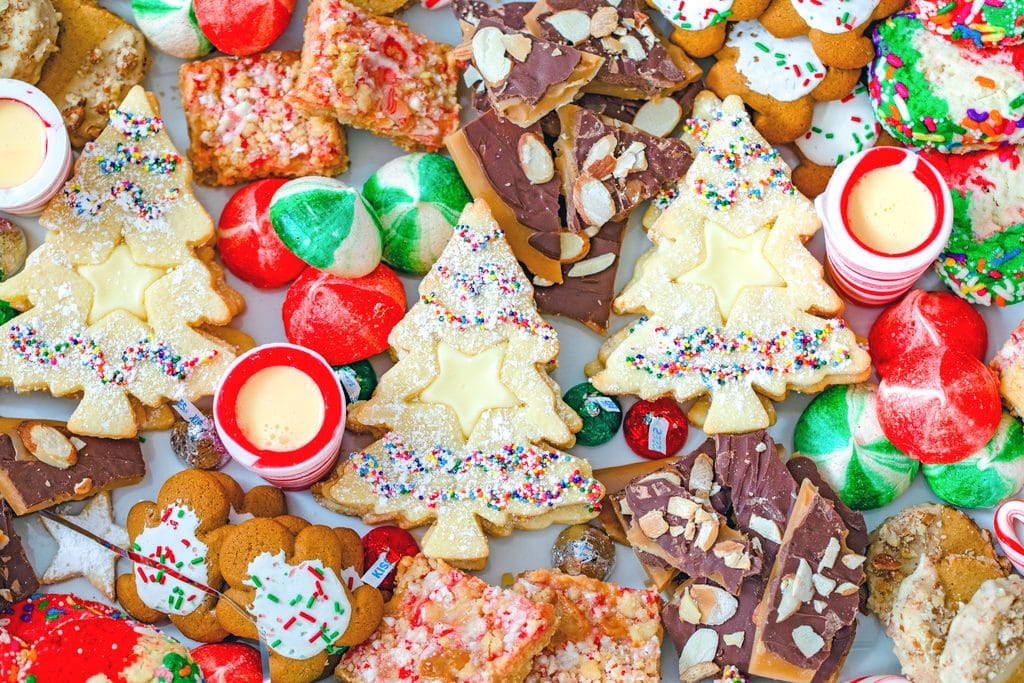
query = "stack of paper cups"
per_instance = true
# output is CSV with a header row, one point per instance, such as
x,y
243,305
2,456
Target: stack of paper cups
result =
x,y
29,197
876,264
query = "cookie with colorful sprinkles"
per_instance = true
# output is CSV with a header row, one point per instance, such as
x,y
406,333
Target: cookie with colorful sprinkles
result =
x,y
779,78
984,259
990,24
930,92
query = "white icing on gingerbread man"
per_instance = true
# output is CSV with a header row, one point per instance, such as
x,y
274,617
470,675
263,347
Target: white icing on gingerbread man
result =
x,y
835,16
840,129
695,15
785,69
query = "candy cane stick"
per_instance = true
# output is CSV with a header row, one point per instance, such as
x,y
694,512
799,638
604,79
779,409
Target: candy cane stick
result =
x,y
1006,514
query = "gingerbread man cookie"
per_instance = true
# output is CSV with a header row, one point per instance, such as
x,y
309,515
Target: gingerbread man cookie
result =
x,y
699,26
779,78
184,529
835,27
291,578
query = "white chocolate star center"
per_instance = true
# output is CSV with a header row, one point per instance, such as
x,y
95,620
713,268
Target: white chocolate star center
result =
x,y
119,283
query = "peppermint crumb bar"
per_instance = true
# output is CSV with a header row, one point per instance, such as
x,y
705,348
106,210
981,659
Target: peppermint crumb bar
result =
x,y
444,624
375,73
242,128
605,632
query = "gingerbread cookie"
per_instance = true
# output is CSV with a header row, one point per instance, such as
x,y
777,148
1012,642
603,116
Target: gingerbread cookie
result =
x,y
290,577
453,455
1009,364
839,129
100,57
185,528
111,301
700,25
731,245
835,28
779,78
30,30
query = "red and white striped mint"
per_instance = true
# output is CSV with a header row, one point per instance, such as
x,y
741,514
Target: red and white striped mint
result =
x,y
1006,514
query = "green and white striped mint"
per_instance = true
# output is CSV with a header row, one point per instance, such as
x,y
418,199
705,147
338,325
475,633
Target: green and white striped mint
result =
x,y
839,431
328,225
986,478
171,26
419,198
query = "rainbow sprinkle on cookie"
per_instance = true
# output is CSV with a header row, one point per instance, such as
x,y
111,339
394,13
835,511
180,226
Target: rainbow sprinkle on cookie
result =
x,y
983,23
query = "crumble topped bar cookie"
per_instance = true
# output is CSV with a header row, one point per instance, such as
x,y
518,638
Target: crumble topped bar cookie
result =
x,y
114,301
242,127
442,622
638,64
605,632
468,412
375,73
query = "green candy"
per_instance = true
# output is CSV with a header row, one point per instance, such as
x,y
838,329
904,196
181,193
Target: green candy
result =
x,y
839,431
601,414
986,478
358,380
328,225
419,198
7,312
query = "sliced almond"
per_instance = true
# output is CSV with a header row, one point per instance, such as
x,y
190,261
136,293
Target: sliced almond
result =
x,y
517,45
535,159
572,24
807,641
676,531
463,52
697,654
766,528
803,586
659,116
734,639
670,477
702,474
688,610
847,588
592,230
716,605
603,22
653,524
612,46
828,559
592,201
592,266
47,444
788,602
823,585
682,507
83,487
603,148
853,560
573,247
489,54
631,160
539,281
624,507
690,531
707,535
819,606
632,47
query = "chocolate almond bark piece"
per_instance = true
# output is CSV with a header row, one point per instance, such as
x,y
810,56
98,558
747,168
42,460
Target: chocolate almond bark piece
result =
x,y
512,169
510,15
29,484
525,76
17,578
609,167
638,63
812,594
660,115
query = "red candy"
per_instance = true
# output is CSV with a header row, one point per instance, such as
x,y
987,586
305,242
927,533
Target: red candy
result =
x,y
243,27
343,319
931,319
247,242
229,663
391,541
938,405
655,429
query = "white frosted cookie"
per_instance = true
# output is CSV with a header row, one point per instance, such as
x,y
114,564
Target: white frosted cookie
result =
x,y
985,643
1009,363
29,36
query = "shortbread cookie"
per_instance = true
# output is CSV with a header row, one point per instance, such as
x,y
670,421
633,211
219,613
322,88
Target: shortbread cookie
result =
x,y
605,632
779,78
289,576
1009,363
81,556
350,69
700,25
100,58
638,62
985,642
835,28
29,28
185,527
927,530
242,127
442,622
731,246
468,411
18,579
112,298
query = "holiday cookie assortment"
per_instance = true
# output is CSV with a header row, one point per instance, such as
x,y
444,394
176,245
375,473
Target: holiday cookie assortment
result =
x,y
522,159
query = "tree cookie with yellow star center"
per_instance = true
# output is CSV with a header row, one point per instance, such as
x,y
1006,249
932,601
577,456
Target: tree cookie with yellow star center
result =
x,y
114,303
469,420
734,308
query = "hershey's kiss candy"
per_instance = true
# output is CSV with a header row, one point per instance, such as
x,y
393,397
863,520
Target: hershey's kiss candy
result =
x,y
197,444
583,549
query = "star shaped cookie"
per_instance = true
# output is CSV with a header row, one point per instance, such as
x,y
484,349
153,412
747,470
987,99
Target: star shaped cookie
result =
x,y
80,556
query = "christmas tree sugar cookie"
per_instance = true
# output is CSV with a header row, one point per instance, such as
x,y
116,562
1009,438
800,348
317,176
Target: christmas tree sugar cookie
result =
x,y
468,415
733,304
112,301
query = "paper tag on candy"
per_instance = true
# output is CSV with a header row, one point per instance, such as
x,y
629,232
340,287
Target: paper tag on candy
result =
x,y
657,435
191,414
604,403
349,383
379,571
350,578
